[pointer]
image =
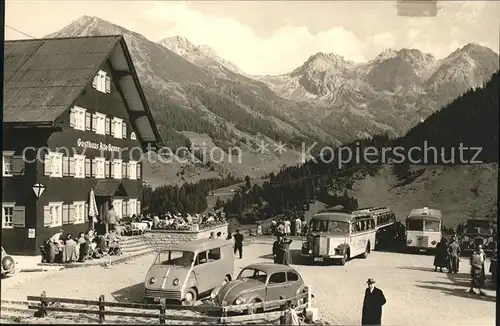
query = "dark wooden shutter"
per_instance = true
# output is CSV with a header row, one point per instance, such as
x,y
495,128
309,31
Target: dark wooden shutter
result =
x,y
94,168
108,84
72,167
65,169
65,214
107,126
47,216
138,174
112,127
124,130
107,168
88,121
88,168
86,212
94,122
72,213
17,165
19,217
47,164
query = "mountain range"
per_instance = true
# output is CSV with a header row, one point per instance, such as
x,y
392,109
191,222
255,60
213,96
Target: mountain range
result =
x,y
328,99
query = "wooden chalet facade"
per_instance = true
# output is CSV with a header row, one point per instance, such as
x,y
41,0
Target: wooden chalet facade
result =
x,y
75,119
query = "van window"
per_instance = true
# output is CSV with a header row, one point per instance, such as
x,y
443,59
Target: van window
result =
x,y
277,278
201,258
214,254
292,277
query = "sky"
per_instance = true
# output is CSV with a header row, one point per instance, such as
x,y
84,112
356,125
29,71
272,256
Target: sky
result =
x,y
275,37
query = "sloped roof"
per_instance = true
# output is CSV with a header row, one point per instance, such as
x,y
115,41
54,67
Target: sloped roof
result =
x,y
109,188
43,77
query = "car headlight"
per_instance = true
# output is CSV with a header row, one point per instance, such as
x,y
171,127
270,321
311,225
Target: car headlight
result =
x,y
305,245
433,243
152,280
239,301
310,252
176,282
410,241
214,293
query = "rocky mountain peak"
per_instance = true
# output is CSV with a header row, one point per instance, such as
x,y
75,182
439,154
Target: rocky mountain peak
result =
x,y
89,26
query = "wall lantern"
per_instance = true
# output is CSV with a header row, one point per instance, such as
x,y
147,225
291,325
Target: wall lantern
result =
x,y
38,189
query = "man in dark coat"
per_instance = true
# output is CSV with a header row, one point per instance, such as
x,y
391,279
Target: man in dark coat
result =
x,y
277,252
372,304
454,252
238,243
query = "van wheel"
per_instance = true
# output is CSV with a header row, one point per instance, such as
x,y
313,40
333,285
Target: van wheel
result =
x,y
189,298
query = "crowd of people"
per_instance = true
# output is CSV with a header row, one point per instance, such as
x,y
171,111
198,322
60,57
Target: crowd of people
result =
x,y
171,221
448,257
63,248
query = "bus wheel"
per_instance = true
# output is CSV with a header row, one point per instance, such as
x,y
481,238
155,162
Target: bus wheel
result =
x,y
367,251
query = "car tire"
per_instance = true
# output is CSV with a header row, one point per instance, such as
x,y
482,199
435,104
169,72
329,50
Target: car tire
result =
x,y
258,310
191,294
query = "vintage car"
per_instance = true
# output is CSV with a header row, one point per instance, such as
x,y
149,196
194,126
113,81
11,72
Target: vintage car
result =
x,y
261,282
8,264
184,272
477,232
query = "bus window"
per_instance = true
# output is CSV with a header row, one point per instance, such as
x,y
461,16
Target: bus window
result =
x,y
372,224
415,225
432,226
338,227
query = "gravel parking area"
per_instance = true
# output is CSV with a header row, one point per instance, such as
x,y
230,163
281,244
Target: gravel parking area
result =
x,y
415,293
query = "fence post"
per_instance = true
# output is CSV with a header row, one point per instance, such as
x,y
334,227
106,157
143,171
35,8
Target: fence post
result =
x,y
162,311
43,303
102,317
308,298
283,315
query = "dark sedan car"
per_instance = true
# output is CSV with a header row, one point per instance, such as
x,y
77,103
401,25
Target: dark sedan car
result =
x,y
262,282
8,264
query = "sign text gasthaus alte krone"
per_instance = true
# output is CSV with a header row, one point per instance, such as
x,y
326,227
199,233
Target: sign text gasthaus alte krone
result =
x,y
99,146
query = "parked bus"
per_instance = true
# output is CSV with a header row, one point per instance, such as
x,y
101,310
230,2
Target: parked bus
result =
x,y
384,216
423,229
339,235
389,233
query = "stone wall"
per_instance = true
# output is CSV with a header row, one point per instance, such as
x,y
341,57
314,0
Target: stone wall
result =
x,y
162,238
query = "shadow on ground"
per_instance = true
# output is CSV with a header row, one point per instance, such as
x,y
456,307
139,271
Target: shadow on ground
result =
x,y
133,294
417,268
459,292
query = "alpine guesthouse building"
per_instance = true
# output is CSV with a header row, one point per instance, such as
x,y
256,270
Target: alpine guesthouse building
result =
x,y
73,110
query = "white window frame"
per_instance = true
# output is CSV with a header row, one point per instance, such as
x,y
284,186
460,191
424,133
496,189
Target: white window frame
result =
x,y
100,81
132,206
79,212
100,127
100,166
58,219
117,124
53,158
7,172
118,207
132,170
117,169
79,161
4,216
79,117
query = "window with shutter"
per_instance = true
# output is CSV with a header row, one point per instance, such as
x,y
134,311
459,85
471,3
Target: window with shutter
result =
x,y
112,127
72,167
88,168
107,126
47,164
17,165
108,84
124,130
8,215
72,119
138,174
88,121
94,123
65,170
47,216
19,217
94,168
65,214
72,213
107,168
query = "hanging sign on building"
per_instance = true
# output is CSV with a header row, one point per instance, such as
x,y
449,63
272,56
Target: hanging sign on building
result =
x,y
31,233
99,146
